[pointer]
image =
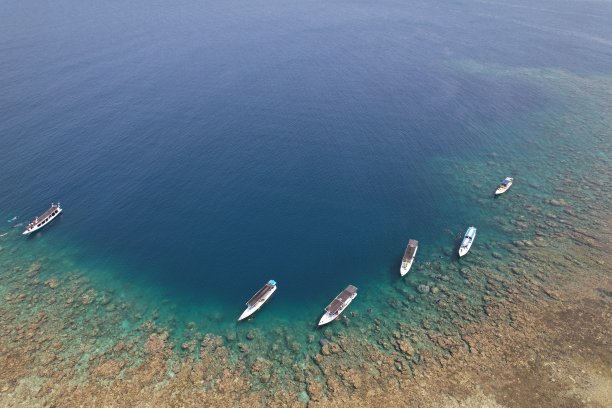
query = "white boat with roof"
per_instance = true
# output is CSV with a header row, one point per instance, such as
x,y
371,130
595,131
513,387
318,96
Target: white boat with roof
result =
x,y
259,299
43,219
468,240
409,255
337,306
504,186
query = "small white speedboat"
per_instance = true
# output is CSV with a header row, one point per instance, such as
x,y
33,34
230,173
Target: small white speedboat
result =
x,y
504,186
337,306
44,219
259,299
409,255
468,240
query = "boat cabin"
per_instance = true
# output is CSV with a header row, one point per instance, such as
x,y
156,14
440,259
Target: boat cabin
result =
x,y
338,303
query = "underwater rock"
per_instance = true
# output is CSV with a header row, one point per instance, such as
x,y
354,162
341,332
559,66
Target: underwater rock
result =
x,y
189,345
211,342
323,341
261,368
315,390
88,297
303,397
405,347
109,369
251,334
435,290
350,377
556,202
423,289
47,358
52,283
325,350
34,269
156,343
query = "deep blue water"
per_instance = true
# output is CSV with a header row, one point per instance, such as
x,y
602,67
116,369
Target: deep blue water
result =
x,y
205,147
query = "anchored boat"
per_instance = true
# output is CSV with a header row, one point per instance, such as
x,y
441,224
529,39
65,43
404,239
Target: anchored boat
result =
x,y
409,255
468,240
504,186
43,219
338,305
258,299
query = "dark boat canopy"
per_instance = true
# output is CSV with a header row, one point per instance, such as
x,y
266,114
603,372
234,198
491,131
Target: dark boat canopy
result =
x,y
338,302
410,249
260,294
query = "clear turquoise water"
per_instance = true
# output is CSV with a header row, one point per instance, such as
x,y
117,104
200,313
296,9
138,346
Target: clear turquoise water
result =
x,y
203,148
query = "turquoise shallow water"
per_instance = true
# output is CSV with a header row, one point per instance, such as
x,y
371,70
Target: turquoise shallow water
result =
x,y
203,150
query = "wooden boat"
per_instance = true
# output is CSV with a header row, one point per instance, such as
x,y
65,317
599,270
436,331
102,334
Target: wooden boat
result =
x,y
43,219
338,305
259,299
409,255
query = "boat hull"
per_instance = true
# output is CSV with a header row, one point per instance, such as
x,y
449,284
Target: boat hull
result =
x,y
463,251
502,190
250,310
405,269
36,228
467,242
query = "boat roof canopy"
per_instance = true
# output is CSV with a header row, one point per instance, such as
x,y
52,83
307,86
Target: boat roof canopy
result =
x,y
48,212
337,303
260,293
411,249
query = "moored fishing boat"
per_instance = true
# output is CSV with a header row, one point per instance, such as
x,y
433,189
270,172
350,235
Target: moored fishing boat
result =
x,y
409,255
259,299
468,240
504,186
338,305
43,219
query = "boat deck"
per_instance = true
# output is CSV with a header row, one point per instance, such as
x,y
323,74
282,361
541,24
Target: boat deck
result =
x,y
260,294
410,249
338,302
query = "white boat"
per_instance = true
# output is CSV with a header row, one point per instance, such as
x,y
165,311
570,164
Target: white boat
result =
x,y
504,186
468,240
43,219
409,255
259,299
337,306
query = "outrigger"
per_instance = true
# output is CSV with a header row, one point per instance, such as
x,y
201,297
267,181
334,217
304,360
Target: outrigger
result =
x,y
337,306
259,299
43,219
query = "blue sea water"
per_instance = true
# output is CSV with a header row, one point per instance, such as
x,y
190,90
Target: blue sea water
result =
x,y
201,148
